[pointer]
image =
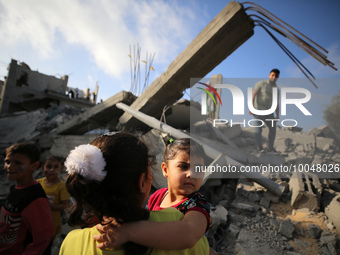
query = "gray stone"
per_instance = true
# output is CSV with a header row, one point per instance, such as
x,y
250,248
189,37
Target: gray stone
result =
x,y
328,237
332,249
254,197
332,212
286,228
233,230
218,216
265,202
314,231
244,208
325,250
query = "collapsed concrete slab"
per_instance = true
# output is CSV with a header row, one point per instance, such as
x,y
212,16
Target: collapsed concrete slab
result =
x,y
332,212
222,36
16,127
99,115
62,145
306,191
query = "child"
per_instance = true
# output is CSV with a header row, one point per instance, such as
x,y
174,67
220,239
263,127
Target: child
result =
x,y
180,159
55,190
111,179
26,225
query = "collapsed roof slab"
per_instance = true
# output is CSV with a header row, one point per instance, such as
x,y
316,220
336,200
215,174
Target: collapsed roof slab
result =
x,y
97,116
222,36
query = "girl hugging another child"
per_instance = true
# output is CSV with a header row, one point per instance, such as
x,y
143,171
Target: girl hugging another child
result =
x,y
110,179
181,157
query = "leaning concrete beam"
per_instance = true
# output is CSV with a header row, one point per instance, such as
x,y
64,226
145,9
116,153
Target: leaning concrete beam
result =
x,y
211,152
97,116
222,36
303,194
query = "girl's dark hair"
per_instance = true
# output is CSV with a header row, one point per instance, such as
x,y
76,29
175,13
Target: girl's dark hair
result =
x,y
118,195
190,146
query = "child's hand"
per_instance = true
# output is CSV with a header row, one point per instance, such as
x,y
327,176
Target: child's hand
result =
x,y
113,235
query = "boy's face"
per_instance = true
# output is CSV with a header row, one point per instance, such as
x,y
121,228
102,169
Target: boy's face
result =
x,y
51,168
19,168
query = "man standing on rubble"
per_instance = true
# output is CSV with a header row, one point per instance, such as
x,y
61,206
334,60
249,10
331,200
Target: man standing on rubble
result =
x,y
262,100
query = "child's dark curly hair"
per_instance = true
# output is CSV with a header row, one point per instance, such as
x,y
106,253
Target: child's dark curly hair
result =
x,y
190,146
117,196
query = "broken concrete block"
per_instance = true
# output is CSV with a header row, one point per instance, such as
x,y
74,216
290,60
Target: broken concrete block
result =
x,y
231,132
62,145
244,188
314,131
332,212
265,202
322,141
314,231
286,228
244,208
157,147
332,249
218,216
254,197
272,197
233,230
327,147
303,195
300,147
326,131
328,237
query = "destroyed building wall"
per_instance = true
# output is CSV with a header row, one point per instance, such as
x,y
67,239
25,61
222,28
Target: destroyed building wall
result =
x,y
28,90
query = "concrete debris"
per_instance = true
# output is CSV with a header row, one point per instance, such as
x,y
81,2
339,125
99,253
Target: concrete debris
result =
x,y
253,229
314,231
105,113
218,216
332,211
286,228
303,195
274,213
157,147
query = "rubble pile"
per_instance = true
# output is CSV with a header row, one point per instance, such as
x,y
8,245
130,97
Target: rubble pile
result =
x,y
254,221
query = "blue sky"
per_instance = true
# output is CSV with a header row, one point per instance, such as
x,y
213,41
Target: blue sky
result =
x,y
89,40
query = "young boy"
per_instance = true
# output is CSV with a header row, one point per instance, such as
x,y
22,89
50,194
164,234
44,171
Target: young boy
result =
x,y
55,190
26,225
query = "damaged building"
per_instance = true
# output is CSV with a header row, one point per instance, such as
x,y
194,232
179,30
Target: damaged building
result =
x,y
28,90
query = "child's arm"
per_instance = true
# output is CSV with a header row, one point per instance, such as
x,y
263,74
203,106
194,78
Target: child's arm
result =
x,y
171,235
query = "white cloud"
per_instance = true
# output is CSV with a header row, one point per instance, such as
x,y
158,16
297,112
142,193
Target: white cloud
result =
x,y
104,28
